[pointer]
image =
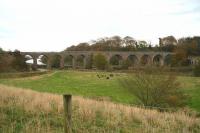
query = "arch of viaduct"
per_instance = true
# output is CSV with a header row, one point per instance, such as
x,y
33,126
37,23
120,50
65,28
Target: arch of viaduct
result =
x,y
137,57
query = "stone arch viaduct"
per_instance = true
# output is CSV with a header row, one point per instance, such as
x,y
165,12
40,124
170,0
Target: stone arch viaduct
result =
x,y
138,58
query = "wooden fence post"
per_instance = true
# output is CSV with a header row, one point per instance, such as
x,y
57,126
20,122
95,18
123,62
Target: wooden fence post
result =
x,y
67,102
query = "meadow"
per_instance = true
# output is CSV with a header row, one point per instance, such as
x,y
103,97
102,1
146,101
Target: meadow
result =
x,y
96,85
23,110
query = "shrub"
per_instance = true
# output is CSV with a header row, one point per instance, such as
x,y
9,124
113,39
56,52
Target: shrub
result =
x,y
155,90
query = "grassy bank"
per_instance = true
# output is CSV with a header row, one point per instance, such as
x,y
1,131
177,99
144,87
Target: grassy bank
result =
x,y
96,85
29,111
22,74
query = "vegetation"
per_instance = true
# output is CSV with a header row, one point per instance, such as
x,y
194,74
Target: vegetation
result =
x,y
157,91
44,59
30,111
80,61
183,47
114,43
55,61
100,61
190,45
69,60
116,60
86,84
154,90
98,85
197,69
12,61
22,74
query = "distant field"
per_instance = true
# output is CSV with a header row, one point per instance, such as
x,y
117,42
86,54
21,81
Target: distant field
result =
x,y
88,84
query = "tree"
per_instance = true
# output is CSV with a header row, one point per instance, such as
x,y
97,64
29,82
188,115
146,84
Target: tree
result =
x,y
142,45
80,61
196,69
116,42
181,56
168,48
44,59
80,47
115,60
130,43
169,40
100,61
190,45
5,62
1,51
19,61
55,61
12,61
71,48
89,62
155,90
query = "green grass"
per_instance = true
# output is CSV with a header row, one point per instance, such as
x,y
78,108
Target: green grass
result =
x,y
89,85
77,83
17,120
191,86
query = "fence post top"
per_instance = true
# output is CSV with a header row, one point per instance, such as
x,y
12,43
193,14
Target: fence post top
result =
x,y
67,95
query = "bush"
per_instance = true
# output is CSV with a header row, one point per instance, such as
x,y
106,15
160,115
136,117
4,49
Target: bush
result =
x,y
196,69
100,61
12,61
155,90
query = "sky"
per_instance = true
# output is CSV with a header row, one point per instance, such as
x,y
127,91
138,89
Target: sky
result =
x,y
53,25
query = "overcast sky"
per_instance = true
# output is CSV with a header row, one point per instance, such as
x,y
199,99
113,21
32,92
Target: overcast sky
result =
x,y
53,25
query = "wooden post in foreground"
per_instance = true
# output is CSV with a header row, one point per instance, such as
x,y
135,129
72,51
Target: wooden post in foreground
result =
x,y
67,102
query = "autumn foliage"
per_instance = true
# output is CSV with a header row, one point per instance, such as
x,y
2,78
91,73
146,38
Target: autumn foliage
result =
x,y
12,61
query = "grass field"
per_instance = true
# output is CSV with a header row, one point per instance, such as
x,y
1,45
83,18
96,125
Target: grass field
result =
x,y
28,111
89,85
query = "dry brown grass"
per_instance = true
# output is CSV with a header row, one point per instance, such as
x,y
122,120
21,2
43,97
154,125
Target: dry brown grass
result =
x,y
113,117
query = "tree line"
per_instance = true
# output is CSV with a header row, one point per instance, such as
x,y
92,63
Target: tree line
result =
x,y
184,47
190,45
115,43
